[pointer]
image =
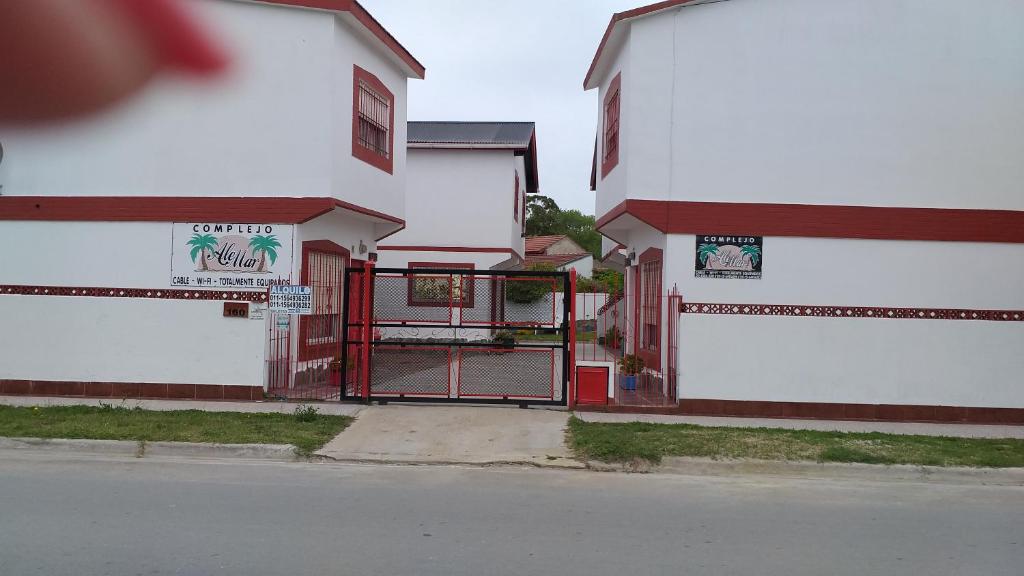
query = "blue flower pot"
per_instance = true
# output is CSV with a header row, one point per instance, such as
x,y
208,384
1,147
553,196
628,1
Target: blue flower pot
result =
x,y
627,381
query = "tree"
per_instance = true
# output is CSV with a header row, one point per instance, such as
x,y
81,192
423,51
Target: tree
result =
x,y
705,251
264,245
200,243
544,217
752,251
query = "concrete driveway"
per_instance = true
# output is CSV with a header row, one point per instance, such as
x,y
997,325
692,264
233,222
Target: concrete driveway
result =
x,y
454,434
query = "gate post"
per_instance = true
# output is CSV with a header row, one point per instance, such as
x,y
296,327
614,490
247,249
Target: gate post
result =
x,y
572,338
367,327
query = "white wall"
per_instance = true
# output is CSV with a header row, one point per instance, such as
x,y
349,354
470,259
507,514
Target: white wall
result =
x,y
279,124
128,340
860,361
879,102
460,198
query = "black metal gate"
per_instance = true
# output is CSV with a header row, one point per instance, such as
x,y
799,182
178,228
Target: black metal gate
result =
x,y
456,335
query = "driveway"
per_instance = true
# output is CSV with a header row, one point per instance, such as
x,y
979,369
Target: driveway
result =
x,y
454,434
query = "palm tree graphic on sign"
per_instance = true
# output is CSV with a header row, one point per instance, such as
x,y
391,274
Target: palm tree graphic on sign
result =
x,y
265,246
705,251
754,252
200,243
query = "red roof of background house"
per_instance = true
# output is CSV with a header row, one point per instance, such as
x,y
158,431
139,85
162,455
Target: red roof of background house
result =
x,y
538,244
556,260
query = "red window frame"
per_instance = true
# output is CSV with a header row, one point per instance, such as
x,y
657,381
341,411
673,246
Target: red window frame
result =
x,y
515,208
329,348
648,307
612,108
386,161
466,299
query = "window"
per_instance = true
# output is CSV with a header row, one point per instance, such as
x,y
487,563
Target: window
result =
x,y
515,192
441,290
373,120
323,269
612,105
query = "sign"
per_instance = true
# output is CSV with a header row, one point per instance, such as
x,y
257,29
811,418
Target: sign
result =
x,y
236,309
256,312
286,299
722,256
230,255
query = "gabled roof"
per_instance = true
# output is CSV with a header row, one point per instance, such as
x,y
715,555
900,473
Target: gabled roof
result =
x,y
556,260
503,134
538,244
613,34
520,137
356,14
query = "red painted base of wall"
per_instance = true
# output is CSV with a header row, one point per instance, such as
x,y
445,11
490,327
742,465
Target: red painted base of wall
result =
x,y
828,411
130,390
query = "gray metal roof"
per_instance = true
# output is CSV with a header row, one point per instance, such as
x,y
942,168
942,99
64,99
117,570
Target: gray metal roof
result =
x,y
511,134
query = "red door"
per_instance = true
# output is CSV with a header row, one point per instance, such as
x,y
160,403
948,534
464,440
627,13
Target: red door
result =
x,y
591,385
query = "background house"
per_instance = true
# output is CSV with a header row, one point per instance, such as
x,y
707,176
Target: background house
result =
x,y
466,195
560,252
144,222
834,192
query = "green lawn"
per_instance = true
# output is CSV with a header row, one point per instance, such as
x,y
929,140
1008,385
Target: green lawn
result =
x,y
630,441
307,431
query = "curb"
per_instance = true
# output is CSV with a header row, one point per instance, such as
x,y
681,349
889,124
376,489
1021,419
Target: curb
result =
x,y
821,471
139,449
559,464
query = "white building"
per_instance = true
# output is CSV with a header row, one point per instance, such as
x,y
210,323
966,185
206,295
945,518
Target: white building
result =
x,y
834,188
466,199
138,227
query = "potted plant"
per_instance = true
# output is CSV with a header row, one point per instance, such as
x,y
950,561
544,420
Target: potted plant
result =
x,y
334,368
629,367
503,339
611,337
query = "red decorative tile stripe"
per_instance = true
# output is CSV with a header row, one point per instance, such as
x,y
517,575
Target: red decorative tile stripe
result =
x,y
854,312
158,293
130,390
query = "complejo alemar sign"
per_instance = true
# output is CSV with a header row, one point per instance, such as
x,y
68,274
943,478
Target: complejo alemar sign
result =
x,y
230,255
723,256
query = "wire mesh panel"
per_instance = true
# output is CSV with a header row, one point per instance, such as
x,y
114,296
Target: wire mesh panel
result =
x,y
411,371
413,298
506,373
513,301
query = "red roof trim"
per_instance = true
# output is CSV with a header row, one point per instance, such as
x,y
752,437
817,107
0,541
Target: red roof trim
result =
x,y
826,221
364,18
485,250
619,17
258,210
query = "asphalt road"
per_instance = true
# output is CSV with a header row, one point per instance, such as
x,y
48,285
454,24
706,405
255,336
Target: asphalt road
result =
x,y
127,517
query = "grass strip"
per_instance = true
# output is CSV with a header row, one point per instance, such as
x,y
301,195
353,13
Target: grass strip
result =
x,y
306,429
626,442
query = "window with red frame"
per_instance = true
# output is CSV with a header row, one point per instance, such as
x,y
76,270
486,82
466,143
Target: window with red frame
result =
x,y
650,308
373,119
323,268
515,209
441,290
612,106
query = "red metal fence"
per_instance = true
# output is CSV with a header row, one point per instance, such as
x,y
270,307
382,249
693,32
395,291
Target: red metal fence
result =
x,y
449,335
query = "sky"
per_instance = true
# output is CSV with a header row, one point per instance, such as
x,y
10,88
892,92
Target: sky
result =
x,y
512,60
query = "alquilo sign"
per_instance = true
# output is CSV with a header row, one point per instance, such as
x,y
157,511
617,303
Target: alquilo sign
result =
x,y
230,255
728,256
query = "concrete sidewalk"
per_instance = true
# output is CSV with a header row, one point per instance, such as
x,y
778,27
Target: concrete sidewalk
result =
x,y
918,428
327,408
454,435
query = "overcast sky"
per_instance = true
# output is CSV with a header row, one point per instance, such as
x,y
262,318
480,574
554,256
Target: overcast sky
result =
x,y
511,60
